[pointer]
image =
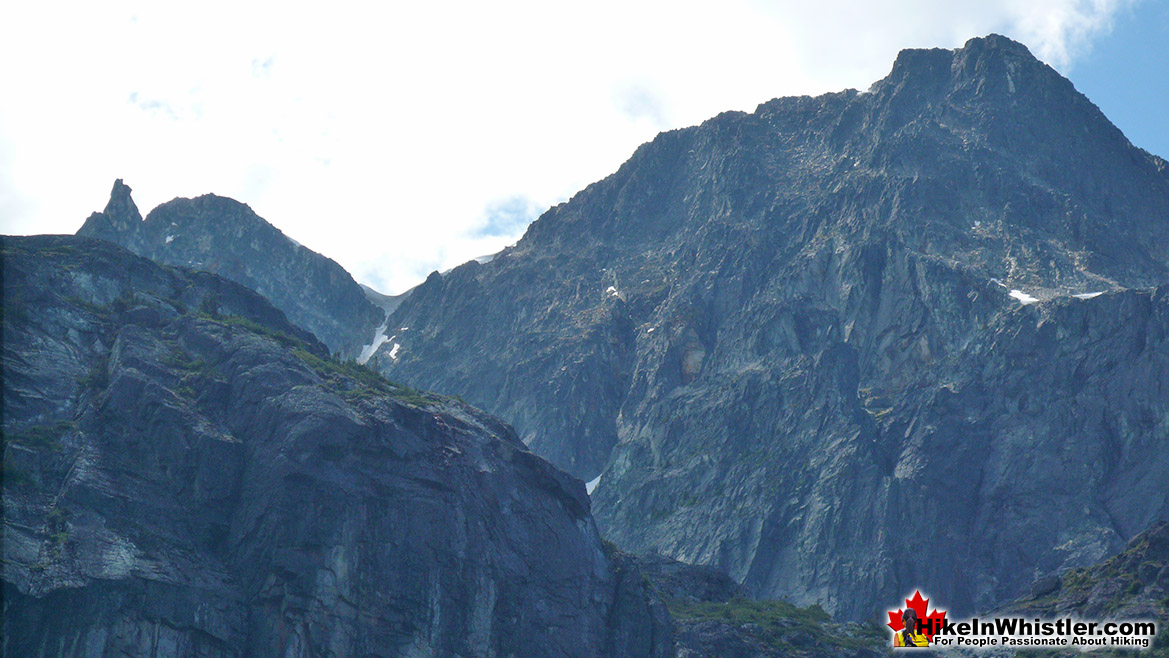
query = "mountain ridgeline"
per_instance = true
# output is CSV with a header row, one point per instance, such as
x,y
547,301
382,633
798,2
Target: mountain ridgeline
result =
x,y
844,346
836,349
223,236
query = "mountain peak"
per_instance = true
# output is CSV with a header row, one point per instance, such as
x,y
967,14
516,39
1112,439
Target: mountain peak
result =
x,y
120,217
996,63
224,236
121,207
996,43
768,303
993,63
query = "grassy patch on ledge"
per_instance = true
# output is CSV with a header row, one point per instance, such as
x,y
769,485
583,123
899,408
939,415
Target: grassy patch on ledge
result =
x,y
353,380
358,382
256,328
782,626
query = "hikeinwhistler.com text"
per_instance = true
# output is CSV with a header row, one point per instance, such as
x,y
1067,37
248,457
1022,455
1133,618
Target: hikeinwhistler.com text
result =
x,y
1019,632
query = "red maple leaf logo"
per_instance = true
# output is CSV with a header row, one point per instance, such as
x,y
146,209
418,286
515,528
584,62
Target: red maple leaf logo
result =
x,y
919,606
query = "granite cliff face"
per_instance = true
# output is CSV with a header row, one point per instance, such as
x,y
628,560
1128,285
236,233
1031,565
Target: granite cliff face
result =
x,y
844,346
224,236
186,473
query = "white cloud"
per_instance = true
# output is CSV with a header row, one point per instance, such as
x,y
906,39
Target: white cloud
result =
x,y
382,134
1059,31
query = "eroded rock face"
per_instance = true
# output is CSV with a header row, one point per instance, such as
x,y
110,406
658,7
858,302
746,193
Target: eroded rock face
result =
x,y
189,474
844,346
223,236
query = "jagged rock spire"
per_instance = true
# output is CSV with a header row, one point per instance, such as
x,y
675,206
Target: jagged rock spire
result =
x,y
120,217
121,208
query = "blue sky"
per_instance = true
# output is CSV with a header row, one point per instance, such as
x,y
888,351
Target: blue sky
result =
x,y
1126,73
402,137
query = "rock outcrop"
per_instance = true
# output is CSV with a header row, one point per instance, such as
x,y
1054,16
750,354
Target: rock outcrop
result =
x,y
186,473
225,237
1133,584
844,346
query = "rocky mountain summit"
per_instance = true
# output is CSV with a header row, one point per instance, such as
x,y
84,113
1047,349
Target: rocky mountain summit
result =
x,y
186,473
223,236
847,346
838,348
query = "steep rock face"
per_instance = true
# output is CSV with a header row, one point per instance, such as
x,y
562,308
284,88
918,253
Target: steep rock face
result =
x,y
674,580
844,346
189,474
224,236
1041,446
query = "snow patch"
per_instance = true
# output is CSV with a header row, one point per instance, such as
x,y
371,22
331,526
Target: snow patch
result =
x,y
612,290
650,330
1023,297
591,485
379,337
394,351
169,238
1088,295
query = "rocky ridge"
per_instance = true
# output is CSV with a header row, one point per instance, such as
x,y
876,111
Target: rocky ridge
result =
x,y
1134,584
794,342
225,237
